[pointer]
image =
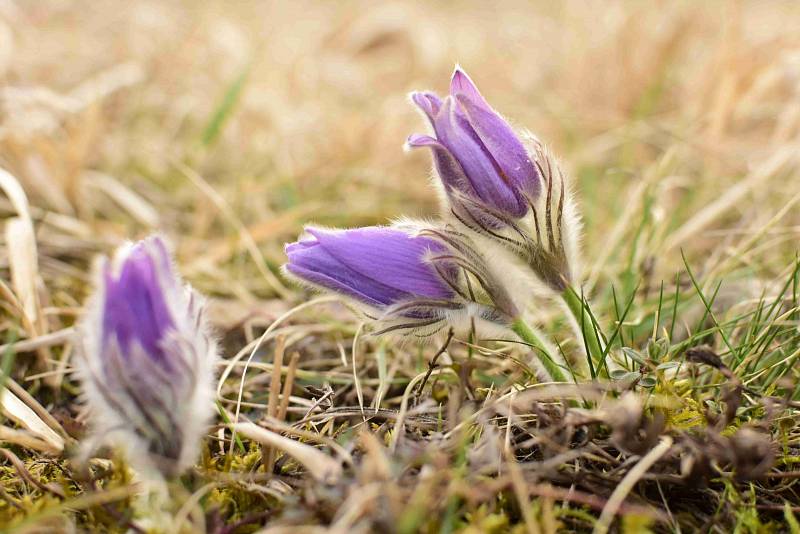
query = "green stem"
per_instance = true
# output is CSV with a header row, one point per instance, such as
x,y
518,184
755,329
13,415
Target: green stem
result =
x,y
528,335
580,311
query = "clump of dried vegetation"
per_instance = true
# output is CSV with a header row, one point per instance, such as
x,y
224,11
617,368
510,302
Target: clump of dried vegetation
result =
x,y
227,126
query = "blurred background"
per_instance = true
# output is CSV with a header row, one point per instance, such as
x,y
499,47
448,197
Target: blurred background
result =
x,y
228,125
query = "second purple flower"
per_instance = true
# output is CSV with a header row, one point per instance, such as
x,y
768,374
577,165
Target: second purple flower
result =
x,y
482,163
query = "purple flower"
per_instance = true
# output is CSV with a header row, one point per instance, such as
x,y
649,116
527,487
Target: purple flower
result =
x,y
148,362
479,158
407,276
376,266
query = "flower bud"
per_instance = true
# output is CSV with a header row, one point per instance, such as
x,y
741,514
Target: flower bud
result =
x,y
409,277
477,154
147,366
510,193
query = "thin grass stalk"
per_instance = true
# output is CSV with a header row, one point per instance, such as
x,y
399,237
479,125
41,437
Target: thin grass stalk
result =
x,y
267,452
288,386
583,318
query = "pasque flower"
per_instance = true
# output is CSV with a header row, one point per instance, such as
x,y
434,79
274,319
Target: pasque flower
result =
x,y
506,188
412,277
148,360
484,167
498,186
407,277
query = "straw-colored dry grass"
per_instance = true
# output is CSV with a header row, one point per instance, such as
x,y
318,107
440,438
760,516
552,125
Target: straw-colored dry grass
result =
x,y
228,125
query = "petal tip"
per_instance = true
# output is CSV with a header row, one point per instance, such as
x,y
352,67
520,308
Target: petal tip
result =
x,y
460,81
419,140
429,103
462,86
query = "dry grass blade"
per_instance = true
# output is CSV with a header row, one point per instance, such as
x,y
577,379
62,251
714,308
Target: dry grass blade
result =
x,y
130,201
628,482
24,273
268,453
398,430
23,261
31,402
310,436
275,379
19,412
28,439
353,356
21,243
288,385
47,340
320,466
13,190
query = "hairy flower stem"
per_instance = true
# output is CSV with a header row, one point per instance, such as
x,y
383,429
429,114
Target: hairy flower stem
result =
x,y
581,312
528,335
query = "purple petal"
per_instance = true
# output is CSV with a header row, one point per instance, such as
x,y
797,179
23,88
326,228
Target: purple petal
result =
x,y
388,256
421,140
134,306
461,84
503,144
311,262
429,103
447,166
299,246
455,132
